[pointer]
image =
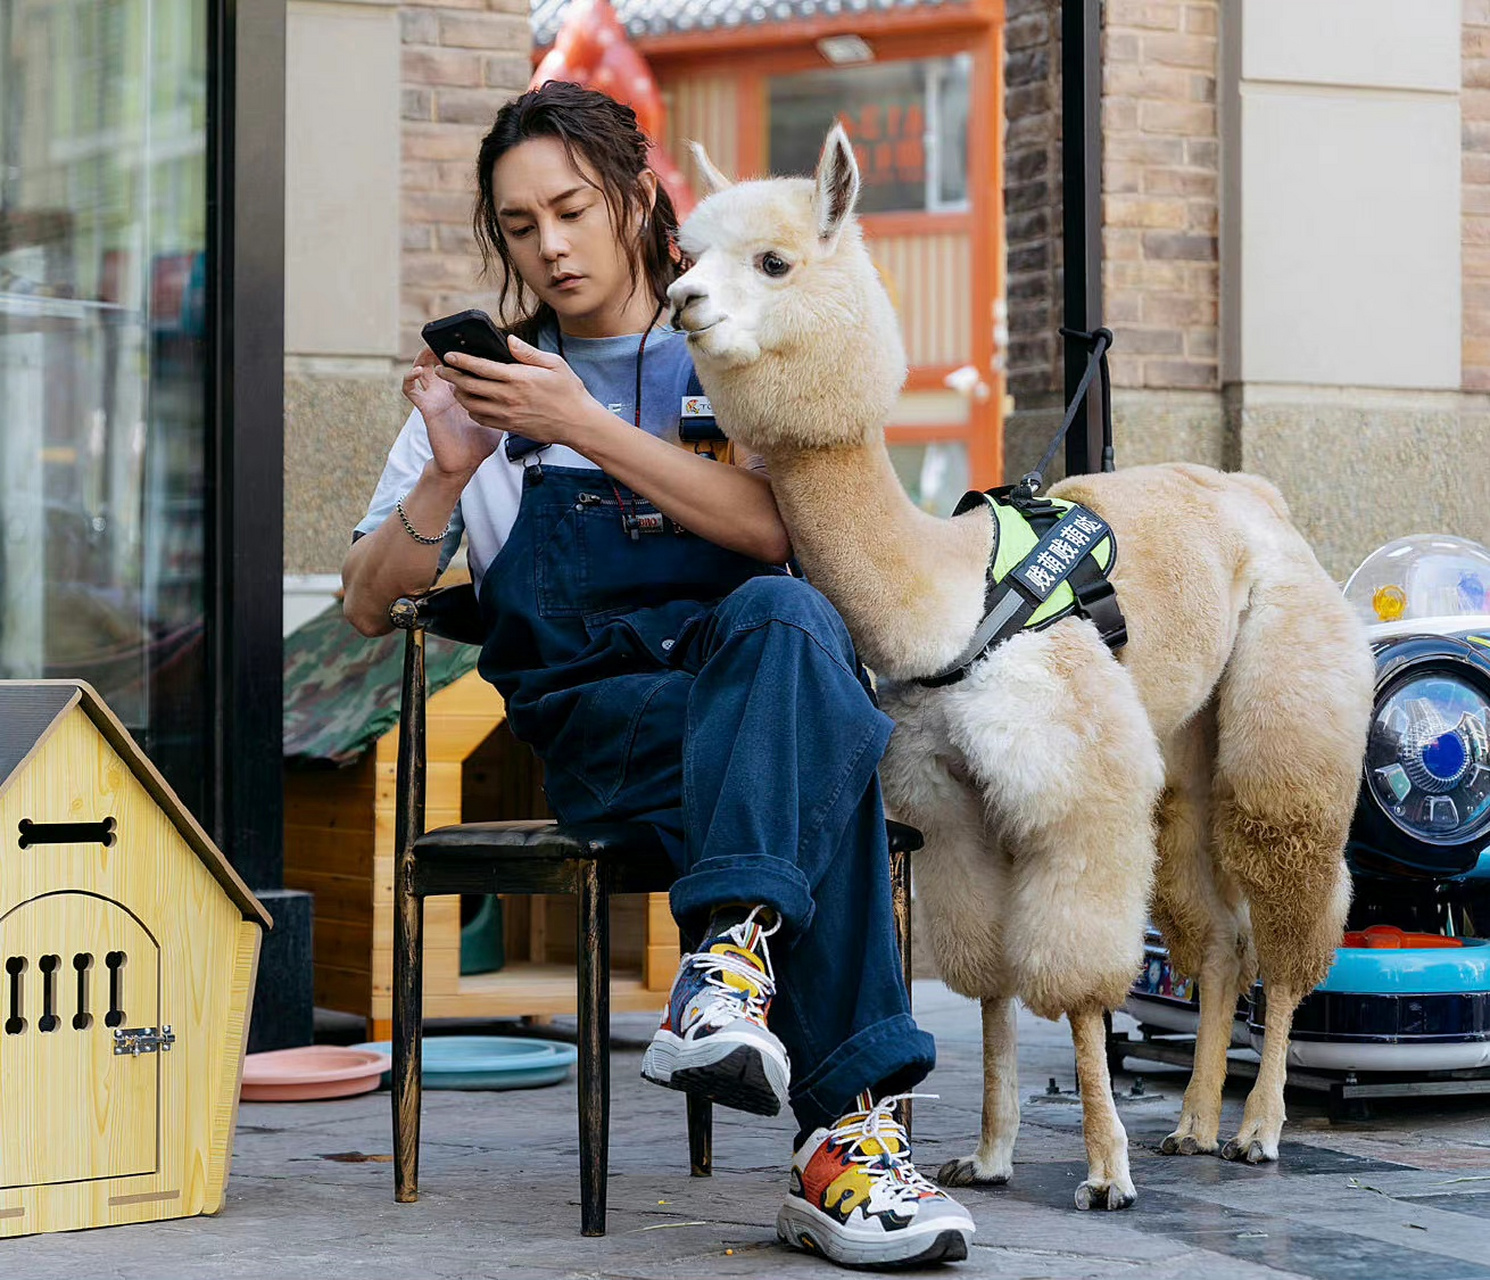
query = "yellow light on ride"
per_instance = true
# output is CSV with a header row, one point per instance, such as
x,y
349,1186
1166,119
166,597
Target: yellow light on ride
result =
x,y
1389,602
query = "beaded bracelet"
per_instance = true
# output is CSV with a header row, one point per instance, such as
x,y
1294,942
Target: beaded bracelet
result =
x,y
413,532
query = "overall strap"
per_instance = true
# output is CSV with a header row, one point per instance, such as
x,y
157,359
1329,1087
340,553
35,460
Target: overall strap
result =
x,y
697,424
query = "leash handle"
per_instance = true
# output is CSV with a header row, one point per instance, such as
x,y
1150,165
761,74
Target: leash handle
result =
x,y
1099,340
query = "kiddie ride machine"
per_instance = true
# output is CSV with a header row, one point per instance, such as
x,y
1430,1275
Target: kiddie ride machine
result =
x,y
1405,1010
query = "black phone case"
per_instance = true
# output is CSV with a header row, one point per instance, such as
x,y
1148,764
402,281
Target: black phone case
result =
x,y
471,332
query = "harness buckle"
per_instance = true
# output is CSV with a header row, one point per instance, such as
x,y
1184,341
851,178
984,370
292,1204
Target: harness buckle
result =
x,y
1096,598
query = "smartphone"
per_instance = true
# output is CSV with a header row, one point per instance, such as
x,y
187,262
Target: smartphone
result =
x,y
471,332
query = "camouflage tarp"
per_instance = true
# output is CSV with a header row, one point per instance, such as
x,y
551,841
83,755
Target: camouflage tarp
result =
x,y
341,689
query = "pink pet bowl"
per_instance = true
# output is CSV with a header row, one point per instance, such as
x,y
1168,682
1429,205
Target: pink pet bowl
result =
x,y
316,1071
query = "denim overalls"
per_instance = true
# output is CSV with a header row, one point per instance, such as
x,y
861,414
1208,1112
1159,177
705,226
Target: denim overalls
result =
x,y
664,679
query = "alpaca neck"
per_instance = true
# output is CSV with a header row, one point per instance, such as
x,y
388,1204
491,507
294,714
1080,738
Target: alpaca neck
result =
x,y
908,585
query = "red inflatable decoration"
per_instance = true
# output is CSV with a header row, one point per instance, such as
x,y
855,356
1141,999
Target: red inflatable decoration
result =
x,y
591,49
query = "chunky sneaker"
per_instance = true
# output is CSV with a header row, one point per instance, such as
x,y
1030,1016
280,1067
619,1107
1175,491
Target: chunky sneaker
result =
x,y
857,1199
713,1041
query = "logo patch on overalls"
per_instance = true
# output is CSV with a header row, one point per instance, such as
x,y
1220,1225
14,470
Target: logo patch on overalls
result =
x,y
648,522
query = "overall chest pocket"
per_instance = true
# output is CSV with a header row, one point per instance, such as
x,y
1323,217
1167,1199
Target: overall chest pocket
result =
x,y
588,565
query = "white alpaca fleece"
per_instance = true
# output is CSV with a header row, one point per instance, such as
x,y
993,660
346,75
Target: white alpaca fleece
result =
x,y
1207,772
788,349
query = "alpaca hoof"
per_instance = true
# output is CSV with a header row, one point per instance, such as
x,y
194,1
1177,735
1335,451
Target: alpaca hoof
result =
x,y
964,1173
1247,1152
1104,1195
1177,1144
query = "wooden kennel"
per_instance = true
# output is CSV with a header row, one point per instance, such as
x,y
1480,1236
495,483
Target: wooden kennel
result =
x,y
128,952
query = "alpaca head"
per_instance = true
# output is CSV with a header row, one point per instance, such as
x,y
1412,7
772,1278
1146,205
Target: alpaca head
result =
x,y
788,322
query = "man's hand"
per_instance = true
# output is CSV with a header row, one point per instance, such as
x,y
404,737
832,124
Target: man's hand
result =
x,y
540,398
459,444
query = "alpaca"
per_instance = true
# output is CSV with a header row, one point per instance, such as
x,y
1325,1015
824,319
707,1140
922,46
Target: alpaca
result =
x,y
1206,773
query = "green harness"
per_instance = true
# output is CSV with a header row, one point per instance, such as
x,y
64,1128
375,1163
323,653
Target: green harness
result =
x,y
1051,558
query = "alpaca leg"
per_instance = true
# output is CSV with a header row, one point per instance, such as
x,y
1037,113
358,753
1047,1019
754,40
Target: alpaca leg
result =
x,y
993,1161
1074,940
1291,867
1256,1141
1200,1113
960,873
1108,1184
1053,730
961,878
1293,707
1197,908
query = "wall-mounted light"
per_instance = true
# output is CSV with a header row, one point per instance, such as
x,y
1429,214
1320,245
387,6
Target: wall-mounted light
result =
x,y
845,50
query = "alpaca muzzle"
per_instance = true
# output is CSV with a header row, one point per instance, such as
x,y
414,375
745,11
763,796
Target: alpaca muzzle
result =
x,y
684,294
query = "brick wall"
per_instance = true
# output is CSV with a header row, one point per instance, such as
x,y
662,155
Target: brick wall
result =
x,y
1474,105
1161,193
1160,181
461,61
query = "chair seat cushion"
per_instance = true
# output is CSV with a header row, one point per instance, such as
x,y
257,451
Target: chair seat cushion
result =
x,y
539,857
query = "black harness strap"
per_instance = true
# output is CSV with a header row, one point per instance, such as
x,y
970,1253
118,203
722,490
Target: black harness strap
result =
x,y
1009,605
1099,340
1064,553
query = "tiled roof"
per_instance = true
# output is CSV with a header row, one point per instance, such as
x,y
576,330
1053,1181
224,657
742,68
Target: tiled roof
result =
x,y
673,17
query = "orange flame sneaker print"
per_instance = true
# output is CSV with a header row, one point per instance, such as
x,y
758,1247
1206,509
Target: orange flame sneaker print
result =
x,y
713,1041
857,1199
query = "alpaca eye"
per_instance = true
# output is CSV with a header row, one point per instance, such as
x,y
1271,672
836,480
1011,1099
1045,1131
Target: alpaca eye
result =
x,y
773,264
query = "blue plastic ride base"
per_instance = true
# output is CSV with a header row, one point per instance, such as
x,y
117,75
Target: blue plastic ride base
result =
x,y
486,1062
1460,970
1409,1009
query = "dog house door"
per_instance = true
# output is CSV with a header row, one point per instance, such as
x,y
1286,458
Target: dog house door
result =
x,y
74,968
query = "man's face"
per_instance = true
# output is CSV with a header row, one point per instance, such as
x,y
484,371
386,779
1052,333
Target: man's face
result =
x,y
557,226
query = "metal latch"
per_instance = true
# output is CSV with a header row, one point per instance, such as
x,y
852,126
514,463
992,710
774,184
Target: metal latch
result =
x,y
134,1041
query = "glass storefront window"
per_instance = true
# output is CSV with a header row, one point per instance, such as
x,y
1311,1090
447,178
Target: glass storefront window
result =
x,y
908,122
103,210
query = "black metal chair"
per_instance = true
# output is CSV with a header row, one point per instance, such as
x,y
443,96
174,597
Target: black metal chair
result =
x,y
591,861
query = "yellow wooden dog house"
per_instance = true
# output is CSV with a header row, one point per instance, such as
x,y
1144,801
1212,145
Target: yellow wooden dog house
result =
x,y
128,952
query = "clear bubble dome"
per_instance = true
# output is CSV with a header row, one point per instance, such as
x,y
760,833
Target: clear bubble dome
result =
x,y
1426,577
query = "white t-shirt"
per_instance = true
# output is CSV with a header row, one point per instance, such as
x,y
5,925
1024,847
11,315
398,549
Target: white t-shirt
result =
x,y
488,504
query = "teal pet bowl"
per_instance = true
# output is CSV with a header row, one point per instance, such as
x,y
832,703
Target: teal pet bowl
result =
x,y
487,1062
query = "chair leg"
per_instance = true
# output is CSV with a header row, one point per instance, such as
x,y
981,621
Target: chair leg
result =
x,y
700,1137
592,954
900,895
408,1027
700,1110
408,924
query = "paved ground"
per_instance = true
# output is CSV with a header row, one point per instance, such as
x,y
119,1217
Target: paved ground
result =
x,y
1403,1196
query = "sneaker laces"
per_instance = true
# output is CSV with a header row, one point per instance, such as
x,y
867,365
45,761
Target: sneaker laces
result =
x,y
878,1125
758,981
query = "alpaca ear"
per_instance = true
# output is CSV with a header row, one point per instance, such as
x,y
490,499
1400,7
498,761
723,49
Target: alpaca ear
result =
x,y
713,179
837,186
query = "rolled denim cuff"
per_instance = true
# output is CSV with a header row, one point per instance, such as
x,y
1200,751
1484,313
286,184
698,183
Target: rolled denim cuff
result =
x,y
748,879
894,1053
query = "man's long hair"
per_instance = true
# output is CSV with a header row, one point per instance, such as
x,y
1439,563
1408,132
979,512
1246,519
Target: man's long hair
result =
x,y
602,133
